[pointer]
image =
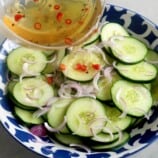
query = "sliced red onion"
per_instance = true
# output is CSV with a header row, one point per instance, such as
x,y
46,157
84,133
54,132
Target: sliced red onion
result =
x,y
119,132
82,90
107,73
21,78
41,111
107,130
57,129
104,119
26,72
114,64
66,89
95,81
147,116
52,60
25,69
34,96
28,100
51,101
39,130
105,44
29,61
81,147
97,49
118,94
124,112
92,128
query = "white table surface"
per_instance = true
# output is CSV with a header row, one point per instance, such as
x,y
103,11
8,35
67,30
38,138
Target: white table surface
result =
x,y
9,148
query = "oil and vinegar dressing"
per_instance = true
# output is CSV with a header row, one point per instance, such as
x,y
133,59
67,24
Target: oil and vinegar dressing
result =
x,y
53,22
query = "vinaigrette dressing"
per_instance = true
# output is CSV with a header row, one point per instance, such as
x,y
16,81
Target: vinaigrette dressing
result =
x,y
53,22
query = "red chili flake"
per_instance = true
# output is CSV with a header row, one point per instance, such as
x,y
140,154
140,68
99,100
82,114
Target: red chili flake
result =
x,y
57,7
96,66
68,41
18,17
49,79
81,67
86,9
37,26
62,67
59,16
68,21
80,22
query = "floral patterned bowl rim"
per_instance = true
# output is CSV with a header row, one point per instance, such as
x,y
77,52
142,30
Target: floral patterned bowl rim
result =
x,y
141,136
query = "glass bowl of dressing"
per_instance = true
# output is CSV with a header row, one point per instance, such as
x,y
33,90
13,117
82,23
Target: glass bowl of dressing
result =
x,y
50,24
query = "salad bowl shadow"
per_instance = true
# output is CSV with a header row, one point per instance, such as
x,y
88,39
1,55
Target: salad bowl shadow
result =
x,y
141,136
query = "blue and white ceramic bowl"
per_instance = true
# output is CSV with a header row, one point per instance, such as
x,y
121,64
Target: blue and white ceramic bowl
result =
x,y
142,136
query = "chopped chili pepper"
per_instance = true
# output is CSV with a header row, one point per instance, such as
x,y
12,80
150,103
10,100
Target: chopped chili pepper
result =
x,y
49,79
37,26
56,7
62,67
81,67
68,41
68,21
18,17
96,66
59,16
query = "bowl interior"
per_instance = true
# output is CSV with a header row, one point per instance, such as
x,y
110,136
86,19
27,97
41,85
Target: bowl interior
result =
x,y
141,136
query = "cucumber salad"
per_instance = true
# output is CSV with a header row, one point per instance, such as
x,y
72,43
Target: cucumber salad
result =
x,y
87,97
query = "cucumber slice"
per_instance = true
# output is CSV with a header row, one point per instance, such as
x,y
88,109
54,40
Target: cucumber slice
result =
x,y
57,113
105,138
113,145
110,30
131,98
128,49
154,91
105,84
93,39
10,86
141,72
68,139
35,59
27,117
81,65
152,57
116,123
22,106
85,116
33,92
